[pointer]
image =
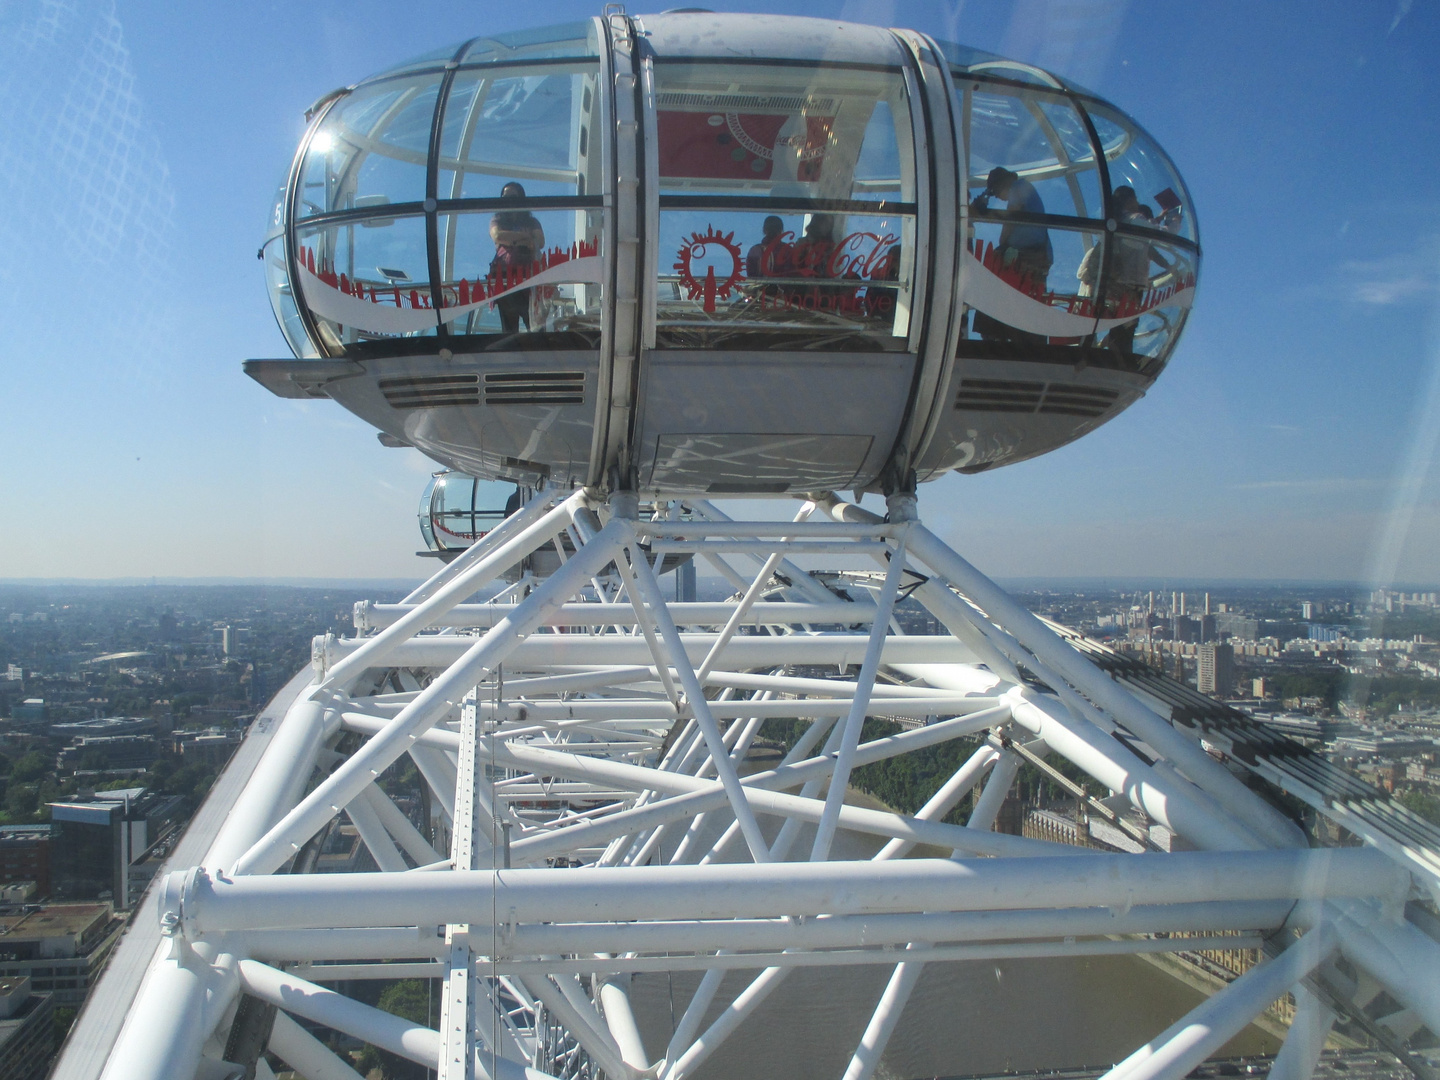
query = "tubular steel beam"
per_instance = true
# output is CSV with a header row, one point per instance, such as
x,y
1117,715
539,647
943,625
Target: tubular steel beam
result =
x,y
203,905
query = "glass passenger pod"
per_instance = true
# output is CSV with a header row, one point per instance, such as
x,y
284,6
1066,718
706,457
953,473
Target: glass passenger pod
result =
x,y
1081,243
457,509
459,198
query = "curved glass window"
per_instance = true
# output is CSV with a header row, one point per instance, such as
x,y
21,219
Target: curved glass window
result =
x,y
457,509
365,280
787,207
551,285
282,299
465,202
543,43
1033,301
371,149
533,125
1149,287
1038,136
1138,165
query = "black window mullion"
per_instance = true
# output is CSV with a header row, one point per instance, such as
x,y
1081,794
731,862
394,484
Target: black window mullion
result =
x,y
431,205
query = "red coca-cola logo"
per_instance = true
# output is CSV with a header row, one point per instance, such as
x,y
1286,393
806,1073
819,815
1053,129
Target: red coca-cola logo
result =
x,y
864,255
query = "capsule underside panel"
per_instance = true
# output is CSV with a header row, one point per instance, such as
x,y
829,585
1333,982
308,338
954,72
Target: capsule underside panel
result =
x,y
848,255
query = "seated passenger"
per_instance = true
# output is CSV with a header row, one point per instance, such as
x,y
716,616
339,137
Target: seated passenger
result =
x,y
771,257
811,254
518,238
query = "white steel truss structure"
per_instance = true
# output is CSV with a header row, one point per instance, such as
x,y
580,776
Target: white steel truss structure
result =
x,y
599,816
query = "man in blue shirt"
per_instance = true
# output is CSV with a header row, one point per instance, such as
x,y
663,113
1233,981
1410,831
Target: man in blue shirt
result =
x,y
1023,248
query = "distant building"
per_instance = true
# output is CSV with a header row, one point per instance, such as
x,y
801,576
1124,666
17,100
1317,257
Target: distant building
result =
x,y
109,725
27,1030
1215,669
61,948
1237,625
29,711
96,841
108,752
25,856
211,745
14,673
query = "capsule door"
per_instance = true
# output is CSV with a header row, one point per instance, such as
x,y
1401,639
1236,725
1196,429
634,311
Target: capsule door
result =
x,y
786,256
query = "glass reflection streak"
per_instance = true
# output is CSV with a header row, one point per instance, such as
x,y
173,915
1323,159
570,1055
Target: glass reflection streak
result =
x,y
968,260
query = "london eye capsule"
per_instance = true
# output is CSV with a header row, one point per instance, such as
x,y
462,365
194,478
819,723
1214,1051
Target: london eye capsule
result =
x,y
691,252
456,510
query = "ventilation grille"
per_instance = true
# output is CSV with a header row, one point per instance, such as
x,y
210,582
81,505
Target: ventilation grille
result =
x,y
535,388
1023,396
431,391
750,103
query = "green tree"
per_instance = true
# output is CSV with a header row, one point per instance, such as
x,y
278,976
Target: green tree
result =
x,y
410,999
30,767
1427,806
21,801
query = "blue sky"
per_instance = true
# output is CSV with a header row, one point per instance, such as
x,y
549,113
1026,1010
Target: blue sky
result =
x,y
1294,435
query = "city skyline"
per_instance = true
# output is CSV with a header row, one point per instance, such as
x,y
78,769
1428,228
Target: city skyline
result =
x,y
1293,438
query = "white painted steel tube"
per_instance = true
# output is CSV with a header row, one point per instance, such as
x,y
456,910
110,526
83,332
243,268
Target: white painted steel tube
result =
x,y
376,651
601,709
1304,1043
850,733
620,1019
689,1025
1197,1035
885,1017
1166,799
399,735
790,959
277,783
372,833
825,932
439,774
594,1038
306,1054
401,828
726,891
516,522
1183,752
585,650
992,796
172,1016
725,1024
947,798
853,931
368,943
640,575
729,527
830,688
374,1026
765,613
1401,956
800,580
